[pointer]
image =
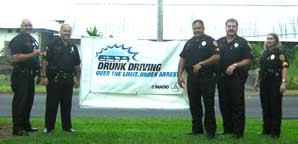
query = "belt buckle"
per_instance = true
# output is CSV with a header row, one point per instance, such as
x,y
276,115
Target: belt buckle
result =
x,y
56,78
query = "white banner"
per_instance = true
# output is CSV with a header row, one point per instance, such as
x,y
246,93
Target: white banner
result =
x,y
130,69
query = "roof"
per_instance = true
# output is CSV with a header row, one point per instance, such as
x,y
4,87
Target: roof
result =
x,y
42,25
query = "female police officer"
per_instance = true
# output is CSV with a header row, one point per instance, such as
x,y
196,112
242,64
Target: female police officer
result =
x,y
273,75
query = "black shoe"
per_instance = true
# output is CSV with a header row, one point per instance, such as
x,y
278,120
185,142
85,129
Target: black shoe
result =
x,y
224,133
31,130
210,136
46,130
20,133
275,136
194,133
69,130
237,136
263,133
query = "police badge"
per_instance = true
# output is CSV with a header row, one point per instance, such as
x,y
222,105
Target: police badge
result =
x,y
236,45
272,57
204,43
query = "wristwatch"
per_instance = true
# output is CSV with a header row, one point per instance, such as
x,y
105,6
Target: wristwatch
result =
x,y
235,64
201,64
284,81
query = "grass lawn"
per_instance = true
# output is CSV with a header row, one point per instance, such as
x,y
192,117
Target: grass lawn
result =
x,y
144,131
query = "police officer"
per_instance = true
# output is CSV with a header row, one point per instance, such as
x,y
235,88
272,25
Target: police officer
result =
x,y
61,63
273,76
235,54
24,55
197,58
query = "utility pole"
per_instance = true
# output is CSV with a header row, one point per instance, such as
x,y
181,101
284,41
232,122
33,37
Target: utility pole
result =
x,y
159,20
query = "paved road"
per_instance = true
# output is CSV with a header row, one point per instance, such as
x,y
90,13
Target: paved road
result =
x,y
253,109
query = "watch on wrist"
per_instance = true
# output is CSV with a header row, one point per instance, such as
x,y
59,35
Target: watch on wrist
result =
x,y
235,65
201,64
284,81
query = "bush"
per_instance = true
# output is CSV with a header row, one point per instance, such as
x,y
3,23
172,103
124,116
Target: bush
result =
x,y
4,60
257,49
293,70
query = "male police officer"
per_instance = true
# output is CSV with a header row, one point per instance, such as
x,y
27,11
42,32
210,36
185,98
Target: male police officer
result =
x,y
235,54
24,55
196,58
62,61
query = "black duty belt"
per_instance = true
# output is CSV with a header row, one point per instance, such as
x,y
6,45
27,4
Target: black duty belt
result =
x,y
270,72
25,71
61,75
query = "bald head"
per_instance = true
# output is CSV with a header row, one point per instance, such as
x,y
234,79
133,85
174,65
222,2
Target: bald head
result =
x,y
26,26
65,32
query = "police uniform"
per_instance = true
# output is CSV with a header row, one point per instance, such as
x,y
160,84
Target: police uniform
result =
x,y
231,88
22,82
201,84
271,66
61,60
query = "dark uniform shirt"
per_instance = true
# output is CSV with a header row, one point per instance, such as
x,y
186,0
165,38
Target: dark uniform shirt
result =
x,y
197,50
233,52
24,43
273,61
61,57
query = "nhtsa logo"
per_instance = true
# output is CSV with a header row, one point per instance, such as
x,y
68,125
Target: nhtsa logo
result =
x,y
116,53
160,86
175,86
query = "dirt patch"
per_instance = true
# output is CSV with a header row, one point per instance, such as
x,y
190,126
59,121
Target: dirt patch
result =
x,y
5,131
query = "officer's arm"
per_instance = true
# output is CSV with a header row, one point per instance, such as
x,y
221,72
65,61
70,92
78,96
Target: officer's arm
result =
x,y
284,74
43,68
243,63
180,71
23,57
78,72
212,59
180,67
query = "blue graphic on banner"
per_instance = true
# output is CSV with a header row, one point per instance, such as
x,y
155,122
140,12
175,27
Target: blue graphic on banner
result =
x,y
116,53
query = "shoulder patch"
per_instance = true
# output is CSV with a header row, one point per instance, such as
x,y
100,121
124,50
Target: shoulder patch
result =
x,y
285,64
282,57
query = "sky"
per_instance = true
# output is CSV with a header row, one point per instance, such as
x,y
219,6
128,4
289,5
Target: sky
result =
x,y
138,17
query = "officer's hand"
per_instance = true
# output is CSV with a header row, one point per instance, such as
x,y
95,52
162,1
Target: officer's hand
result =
x,y
196,68
283,87
181,82
230,69
35,52
76,83
45,81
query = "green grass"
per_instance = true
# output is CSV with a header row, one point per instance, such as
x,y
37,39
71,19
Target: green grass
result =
x,y
146,131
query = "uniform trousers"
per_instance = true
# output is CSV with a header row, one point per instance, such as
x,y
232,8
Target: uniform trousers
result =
x,y
232,105
198,89
23,86
59,91
271,100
